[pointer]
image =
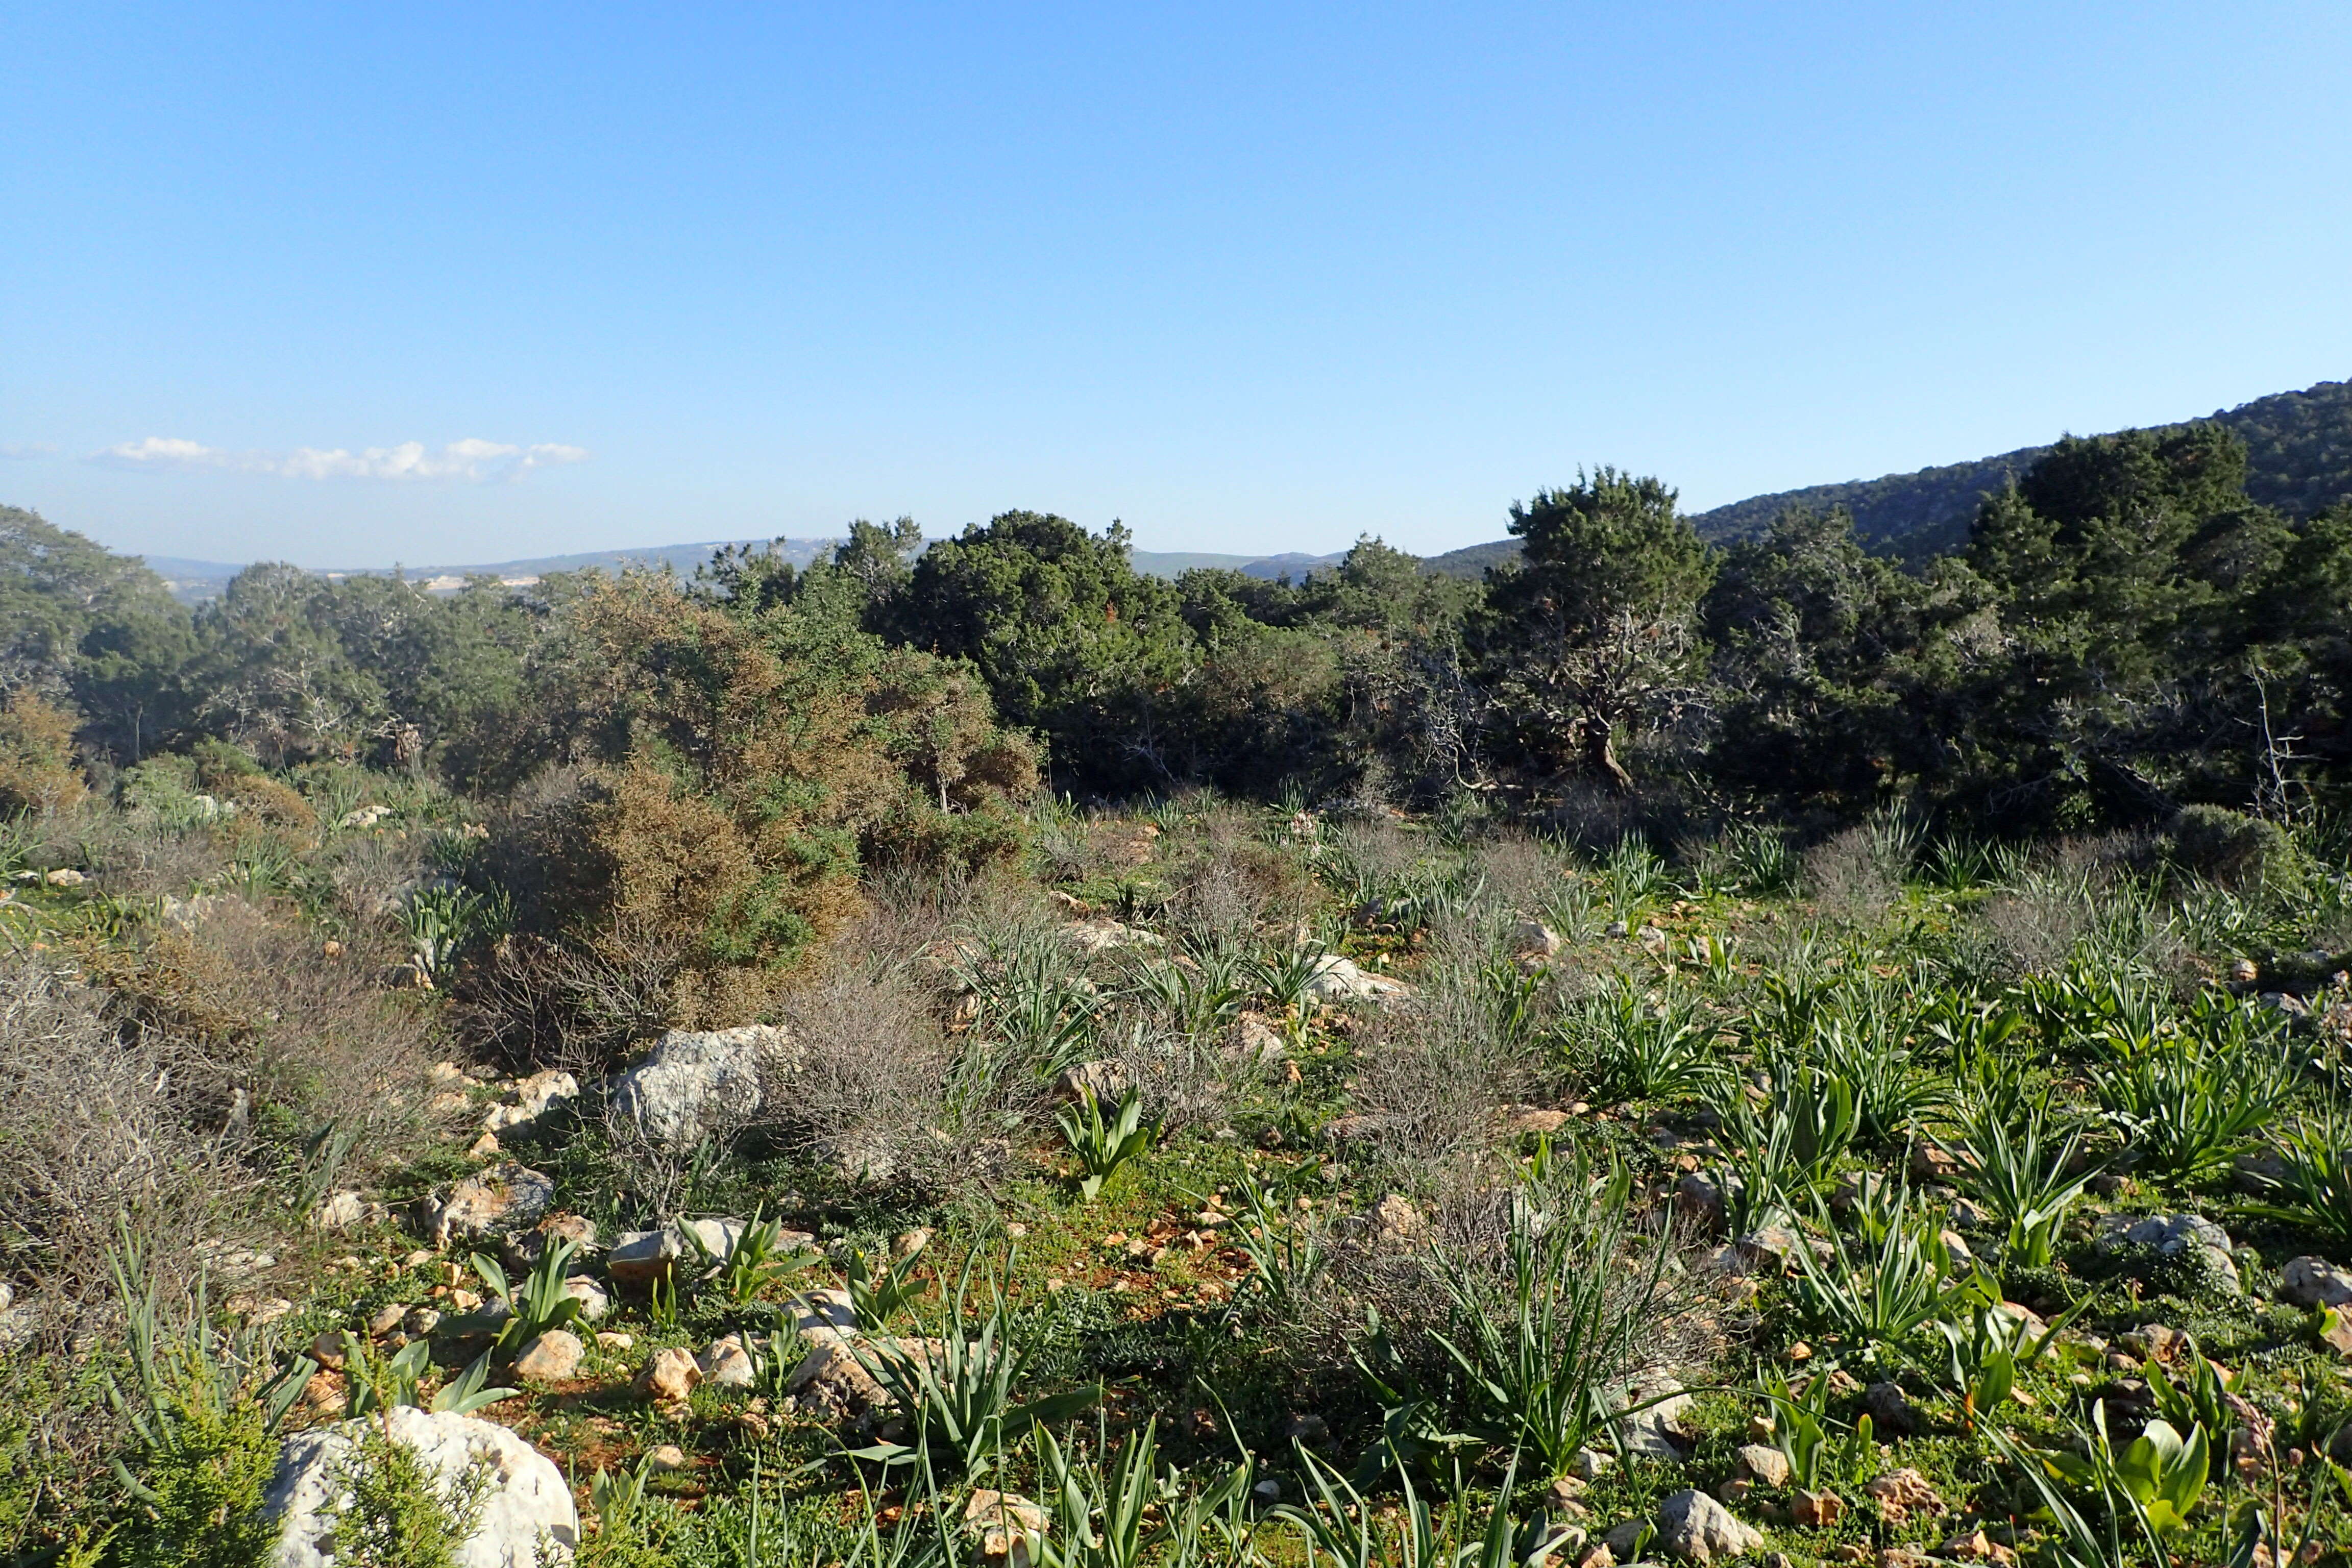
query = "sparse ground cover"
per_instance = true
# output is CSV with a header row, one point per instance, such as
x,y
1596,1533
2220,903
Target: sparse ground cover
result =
x,y
1213,1184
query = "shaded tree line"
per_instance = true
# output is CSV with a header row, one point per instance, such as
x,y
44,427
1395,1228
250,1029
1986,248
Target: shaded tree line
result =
x,y
2123,633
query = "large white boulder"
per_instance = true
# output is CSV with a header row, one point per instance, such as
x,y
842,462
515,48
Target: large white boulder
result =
x,y
696,1082
528,1519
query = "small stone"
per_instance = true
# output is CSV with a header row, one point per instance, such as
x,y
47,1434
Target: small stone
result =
x,y
667,1457
907,1243
1854,1187
1699,1200
593,1303
1306,1428
1004,1523
1697,1529
1902,1493
1395,1222
1655,1428
1620,1537
418,1321
2314,1282
508,1197
343,1210
1589,1464
323,1396
1767,1465
326,1348
385,1318
2154,1342
1890,1412
1976,1546
611,1339
1933,1162
669,1378
2258,1174
728,1364
550,1358
1267,1491
1816,1511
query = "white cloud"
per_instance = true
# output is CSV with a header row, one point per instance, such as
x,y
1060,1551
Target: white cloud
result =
x,y
26,448
470,461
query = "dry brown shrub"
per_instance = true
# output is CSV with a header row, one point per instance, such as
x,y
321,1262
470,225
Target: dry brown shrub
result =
x,y
372,873
1388,1267
719,821
262,1023
36,757
865,1087
142,855
103,1133
1518,876
1431,1080
1226,887
1849,879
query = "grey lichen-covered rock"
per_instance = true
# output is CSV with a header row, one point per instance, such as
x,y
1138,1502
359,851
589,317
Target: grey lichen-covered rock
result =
x,y
526,1502
1654,1406
506,1197
695,1082
2314,1282
522,1106
640,1257
1338,979
2197,1248
1697,1529
593,1303
826,1309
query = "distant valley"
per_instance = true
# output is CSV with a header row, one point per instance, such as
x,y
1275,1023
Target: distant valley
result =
x,y
2299,460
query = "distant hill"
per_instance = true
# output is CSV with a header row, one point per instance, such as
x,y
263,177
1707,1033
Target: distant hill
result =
x,y
1472,560
2298,459
196,580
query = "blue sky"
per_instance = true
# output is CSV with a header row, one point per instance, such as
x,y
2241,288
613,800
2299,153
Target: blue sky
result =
x,y
348,285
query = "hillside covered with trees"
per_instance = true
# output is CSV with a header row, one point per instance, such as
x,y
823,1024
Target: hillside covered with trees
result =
x,y
2298,462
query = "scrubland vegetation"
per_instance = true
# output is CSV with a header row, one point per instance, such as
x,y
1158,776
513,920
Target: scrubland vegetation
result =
x,y
978,1055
